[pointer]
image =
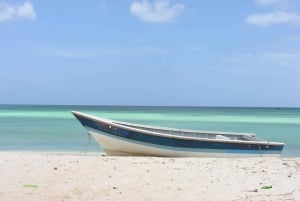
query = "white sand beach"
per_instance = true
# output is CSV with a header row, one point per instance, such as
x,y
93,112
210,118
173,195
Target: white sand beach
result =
x,y
42,176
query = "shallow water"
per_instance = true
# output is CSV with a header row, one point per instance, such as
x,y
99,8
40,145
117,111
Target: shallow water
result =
x,y
53,128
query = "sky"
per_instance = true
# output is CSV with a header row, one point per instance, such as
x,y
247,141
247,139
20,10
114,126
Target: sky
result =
x,y
150,52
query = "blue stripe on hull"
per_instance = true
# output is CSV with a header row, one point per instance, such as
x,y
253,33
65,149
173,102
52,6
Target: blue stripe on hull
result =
x,y
176,143
182,149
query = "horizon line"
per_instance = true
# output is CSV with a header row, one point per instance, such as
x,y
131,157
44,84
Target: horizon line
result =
x,y
184,106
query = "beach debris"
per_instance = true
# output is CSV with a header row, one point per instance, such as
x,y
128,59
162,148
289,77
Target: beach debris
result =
x,y
55,168
266,187
115,188
286,164
30,185
252,190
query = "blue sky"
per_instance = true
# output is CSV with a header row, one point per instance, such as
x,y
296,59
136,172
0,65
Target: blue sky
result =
x,y
150,52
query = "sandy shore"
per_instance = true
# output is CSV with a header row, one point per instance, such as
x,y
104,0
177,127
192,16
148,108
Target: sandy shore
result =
x,y
41,176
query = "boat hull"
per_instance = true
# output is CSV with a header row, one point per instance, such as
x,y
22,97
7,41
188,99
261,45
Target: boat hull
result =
x,y
123,147
119,139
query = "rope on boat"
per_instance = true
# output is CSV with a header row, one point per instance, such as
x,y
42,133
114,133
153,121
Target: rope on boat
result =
x,y
260,150
87,144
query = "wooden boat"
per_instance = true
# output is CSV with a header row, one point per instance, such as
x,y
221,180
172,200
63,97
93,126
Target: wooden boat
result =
x,y
121,138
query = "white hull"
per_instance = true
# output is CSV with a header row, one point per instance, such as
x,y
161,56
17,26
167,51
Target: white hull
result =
x,y
119,147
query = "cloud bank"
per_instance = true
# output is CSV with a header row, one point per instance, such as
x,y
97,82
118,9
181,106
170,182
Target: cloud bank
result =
x,y
274,3
281,13
268,61
283,58
98,52
9,12
271,18
159,11
103,7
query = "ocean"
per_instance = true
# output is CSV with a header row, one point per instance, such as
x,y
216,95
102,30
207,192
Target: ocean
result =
x,y
53,128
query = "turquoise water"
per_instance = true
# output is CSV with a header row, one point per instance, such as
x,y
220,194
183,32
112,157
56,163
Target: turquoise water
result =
x,y
53,128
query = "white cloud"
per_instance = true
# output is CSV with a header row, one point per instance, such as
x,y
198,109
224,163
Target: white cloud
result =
x,y
266,2
103,6
280,58
274,3
96,52
146,50
263,63
158,11
10,12
281,13
293,38
66,52
278,17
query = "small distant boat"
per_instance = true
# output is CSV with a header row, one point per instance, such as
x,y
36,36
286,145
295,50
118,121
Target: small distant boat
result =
x,y
121,138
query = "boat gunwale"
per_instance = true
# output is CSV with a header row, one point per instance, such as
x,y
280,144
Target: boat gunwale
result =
x,y
119,124
182,130
166,128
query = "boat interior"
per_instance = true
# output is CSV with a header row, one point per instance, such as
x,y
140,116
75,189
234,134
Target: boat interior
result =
x,y
196,134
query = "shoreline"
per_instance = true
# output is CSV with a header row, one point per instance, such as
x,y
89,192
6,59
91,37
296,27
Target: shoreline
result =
x,y
102,153
56,152
61,176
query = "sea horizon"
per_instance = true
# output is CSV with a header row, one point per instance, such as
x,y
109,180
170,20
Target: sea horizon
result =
x,y
182,106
